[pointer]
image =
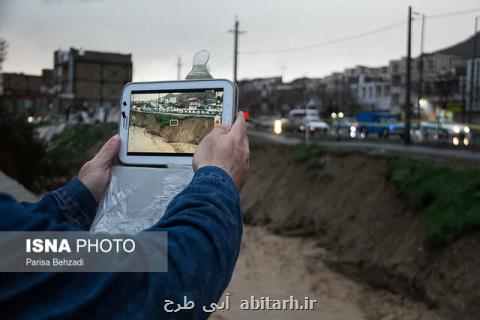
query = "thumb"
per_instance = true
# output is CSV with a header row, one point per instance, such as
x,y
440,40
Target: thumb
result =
x,y
108,152
239,126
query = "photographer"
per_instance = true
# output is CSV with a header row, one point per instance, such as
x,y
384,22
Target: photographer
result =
x,y
203,222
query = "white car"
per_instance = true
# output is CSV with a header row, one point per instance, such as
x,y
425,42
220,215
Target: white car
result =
x,y
454,133
315,125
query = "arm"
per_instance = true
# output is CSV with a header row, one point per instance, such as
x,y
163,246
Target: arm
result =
x,y
72,204
204,228
76,203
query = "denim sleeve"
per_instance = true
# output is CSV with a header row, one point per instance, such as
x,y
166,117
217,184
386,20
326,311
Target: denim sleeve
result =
x,y
72,204
204,227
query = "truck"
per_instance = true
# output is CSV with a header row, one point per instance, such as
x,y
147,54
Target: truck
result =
x,y
381,124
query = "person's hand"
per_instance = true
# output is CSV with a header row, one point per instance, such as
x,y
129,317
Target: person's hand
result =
x,y
226,148
95,174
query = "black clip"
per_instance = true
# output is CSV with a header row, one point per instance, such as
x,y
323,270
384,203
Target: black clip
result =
x,y
124,116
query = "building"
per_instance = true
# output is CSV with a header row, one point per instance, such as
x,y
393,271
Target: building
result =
x,y
31,95
371,87
472,86
89,80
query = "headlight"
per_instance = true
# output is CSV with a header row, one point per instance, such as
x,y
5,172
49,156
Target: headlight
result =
x,y
466,129
455,141
456,129
277,127
353,129
465,142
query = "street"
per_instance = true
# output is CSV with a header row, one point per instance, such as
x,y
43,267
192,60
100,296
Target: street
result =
x,y
356,145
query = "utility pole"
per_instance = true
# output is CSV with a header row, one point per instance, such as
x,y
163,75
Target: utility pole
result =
x,y
472,73
420,70
179,67
408,80
235,32
283,68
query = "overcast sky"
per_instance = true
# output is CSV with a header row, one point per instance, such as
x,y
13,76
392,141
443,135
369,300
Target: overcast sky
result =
x,y
156,32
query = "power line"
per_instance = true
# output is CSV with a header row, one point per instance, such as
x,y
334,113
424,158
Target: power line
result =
x,y
279,16
359,35
212,40
221,65
297,15
451,14
330,42
278,10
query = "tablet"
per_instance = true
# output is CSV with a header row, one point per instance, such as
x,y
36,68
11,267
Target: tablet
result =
x,y
162,123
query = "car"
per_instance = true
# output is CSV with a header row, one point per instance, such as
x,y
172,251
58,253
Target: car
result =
x,y
452,133
315,125
341,127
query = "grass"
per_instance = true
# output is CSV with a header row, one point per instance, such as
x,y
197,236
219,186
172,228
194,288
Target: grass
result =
x,y
449,197
305,153
70,148
162,120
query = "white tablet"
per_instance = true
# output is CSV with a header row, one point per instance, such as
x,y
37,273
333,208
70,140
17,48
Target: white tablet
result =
x,y
162,123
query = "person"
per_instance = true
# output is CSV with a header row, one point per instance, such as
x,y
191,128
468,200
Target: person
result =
x,y
203,222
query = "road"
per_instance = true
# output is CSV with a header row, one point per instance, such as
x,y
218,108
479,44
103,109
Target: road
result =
x,y
278,267
369,145
15,189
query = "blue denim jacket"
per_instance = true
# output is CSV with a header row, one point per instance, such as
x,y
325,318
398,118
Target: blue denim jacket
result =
x,y
204,228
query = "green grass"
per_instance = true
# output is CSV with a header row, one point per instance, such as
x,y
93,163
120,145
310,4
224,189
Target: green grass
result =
x,y
71,146
303,153
449,197
162,120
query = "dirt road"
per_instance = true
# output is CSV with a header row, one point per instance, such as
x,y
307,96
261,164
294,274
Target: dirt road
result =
x,y
278,267
139,140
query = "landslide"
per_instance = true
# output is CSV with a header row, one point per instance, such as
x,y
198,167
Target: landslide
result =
x,y
347,203
189,129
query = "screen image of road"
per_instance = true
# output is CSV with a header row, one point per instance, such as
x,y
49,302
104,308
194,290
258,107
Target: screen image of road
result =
x,y
172,122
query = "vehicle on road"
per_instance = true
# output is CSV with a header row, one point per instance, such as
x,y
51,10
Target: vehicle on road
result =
x,y
452,133
380,124
314,124
307,119
341,127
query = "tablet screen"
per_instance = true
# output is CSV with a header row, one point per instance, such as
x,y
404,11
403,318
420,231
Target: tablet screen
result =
x,y
172,122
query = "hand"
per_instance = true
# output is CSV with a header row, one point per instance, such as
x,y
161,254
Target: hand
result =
x,y
95,174
226,148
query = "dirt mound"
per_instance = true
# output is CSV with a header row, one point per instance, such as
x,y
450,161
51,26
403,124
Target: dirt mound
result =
x,y
188,130
346,203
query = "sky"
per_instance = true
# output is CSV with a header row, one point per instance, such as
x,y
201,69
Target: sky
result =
x,y
157,32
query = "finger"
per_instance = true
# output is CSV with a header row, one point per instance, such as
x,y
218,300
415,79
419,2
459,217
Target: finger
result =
x,y
221,129
108,152
239,127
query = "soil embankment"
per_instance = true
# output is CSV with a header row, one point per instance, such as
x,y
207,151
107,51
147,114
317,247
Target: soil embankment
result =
x,y
186,129
348,206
